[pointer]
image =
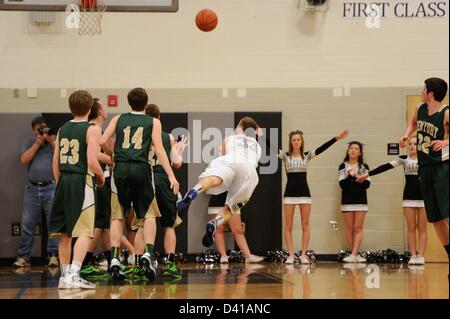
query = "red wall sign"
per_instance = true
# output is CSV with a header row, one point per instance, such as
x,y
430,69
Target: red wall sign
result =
x,y
113,100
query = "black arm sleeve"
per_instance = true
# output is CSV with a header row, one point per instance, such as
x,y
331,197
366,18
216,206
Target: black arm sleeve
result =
x,y
381,169
325,146
365,184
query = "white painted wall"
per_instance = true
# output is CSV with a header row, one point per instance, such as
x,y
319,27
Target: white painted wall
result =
x,y
258,43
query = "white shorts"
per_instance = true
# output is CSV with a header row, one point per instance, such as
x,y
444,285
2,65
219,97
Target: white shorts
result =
x,y
413,203
217,210
296,200
239,179
354,208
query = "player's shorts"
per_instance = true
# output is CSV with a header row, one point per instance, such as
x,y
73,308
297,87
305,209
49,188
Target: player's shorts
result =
x,y
167,201
132,185
433,180
103,205
73,209
239,179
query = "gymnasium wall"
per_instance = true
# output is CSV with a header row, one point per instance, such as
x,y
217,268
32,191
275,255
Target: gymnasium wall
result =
x,y
258,43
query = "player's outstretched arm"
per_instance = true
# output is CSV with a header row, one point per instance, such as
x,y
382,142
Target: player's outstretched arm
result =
x,y
177,150
412,126
109,132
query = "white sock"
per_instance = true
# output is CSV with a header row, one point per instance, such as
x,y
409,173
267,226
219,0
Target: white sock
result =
x,y
64,270
198,188
75,268
219,220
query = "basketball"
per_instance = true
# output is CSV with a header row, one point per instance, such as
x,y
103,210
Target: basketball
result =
x,y
206,20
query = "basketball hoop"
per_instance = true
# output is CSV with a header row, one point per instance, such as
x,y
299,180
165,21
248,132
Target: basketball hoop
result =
x,y
91,14
311,6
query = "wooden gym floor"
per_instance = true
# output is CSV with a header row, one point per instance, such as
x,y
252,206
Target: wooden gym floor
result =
x,y
251,281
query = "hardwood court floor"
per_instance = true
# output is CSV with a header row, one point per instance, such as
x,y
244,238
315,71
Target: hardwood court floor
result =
x,y
275,281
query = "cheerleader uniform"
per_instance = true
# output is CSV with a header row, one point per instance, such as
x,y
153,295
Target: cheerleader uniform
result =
x,y
354,194
412,196
297,190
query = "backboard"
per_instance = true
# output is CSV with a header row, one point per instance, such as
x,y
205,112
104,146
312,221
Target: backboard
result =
x,y
112,5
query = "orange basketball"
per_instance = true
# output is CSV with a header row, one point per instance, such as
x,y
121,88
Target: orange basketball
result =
x,y
206,20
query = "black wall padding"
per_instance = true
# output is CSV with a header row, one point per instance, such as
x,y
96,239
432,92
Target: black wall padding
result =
x,y
263,215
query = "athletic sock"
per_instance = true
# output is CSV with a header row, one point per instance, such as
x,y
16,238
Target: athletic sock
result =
x,y
170,257
107,254
149,249
75,268
219,220
115,252
198,188
64,270
88,259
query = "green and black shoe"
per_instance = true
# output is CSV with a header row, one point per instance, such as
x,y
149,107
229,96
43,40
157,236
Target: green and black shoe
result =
x,y
170,269
135,271
91,270
117,270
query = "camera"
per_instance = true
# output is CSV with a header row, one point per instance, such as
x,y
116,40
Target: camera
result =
x,y
44,130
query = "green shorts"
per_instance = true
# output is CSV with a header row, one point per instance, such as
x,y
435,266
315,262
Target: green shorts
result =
x,y
132,187
103,205
73,209
167,201
434,186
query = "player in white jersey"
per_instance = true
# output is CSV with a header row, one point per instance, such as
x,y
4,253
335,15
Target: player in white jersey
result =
x,y
236,173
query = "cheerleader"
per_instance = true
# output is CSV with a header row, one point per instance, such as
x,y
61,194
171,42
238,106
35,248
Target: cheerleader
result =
x,y
354,198
413,205
297,190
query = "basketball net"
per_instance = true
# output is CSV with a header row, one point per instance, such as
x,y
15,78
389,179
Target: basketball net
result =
x,y
91,14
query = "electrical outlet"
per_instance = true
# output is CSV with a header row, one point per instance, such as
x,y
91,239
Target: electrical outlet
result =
x,y
32,93
334,225
15,229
